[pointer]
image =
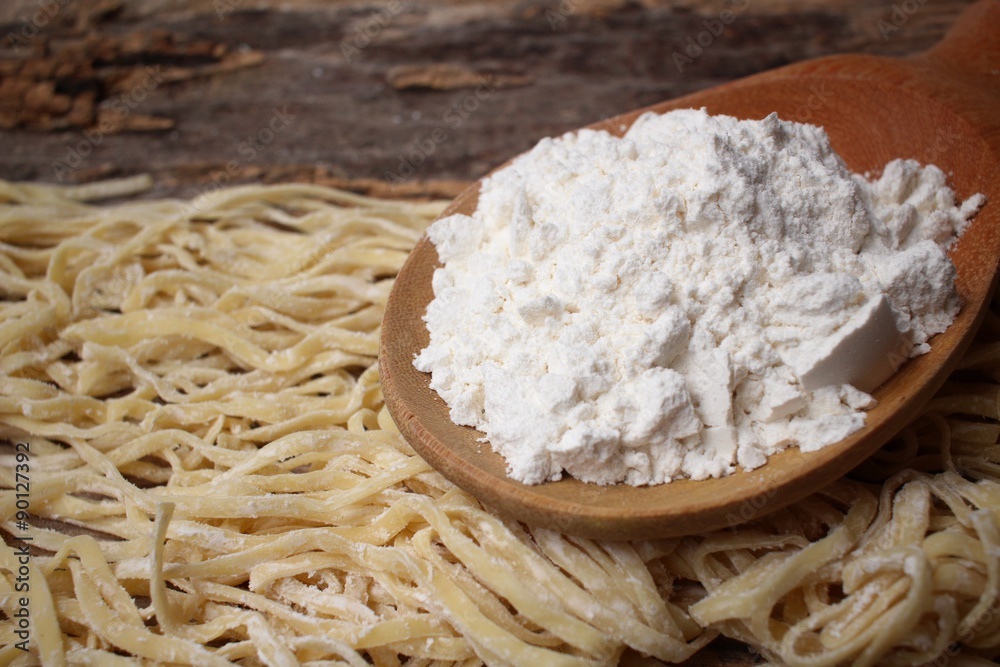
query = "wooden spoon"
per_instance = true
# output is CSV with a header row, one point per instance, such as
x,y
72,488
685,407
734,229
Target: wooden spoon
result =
x,y
940,107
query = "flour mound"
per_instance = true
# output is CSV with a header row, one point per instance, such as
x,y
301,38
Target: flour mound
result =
x,y
692,297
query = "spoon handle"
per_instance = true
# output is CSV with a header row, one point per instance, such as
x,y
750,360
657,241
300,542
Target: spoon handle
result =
x,y
962,71
972,45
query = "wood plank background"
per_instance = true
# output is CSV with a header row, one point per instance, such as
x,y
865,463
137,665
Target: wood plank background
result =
x,y
391,97
367,94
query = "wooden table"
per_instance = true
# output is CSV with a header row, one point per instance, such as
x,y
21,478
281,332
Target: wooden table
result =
x,y
390,97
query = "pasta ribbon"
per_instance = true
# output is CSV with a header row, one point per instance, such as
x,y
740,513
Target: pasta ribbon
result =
x,y
215,479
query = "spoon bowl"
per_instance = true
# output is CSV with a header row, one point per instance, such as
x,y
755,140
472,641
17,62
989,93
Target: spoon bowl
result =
x,y
941,107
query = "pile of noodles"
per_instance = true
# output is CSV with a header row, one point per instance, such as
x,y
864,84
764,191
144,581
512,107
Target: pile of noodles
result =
x,y
214,478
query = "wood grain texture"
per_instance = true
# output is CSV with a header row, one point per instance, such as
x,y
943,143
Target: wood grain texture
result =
x,y
939,108
365,91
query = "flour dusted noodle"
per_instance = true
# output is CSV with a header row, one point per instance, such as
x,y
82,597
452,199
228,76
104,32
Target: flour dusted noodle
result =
x,y
215,479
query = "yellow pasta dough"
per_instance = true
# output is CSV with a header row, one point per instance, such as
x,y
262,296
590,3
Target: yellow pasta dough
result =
x,y
214,478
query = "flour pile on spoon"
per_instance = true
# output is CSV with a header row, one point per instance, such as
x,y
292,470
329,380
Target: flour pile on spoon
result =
x,y
692,297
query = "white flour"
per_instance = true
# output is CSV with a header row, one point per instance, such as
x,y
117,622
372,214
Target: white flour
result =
x,y
697,295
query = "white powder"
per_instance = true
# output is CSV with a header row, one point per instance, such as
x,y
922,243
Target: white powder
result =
x,y
690,298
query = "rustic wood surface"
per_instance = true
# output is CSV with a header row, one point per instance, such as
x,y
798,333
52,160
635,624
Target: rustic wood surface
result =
x,y
422,96
391,97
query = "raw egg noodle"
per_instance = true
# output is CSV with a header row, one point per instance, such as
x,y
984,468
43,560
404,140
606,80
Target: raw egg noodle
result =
x,y
214,478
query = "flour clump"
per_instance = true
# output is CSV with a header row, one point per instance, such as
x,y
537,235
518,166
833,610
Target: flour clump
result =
x,y
692,297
